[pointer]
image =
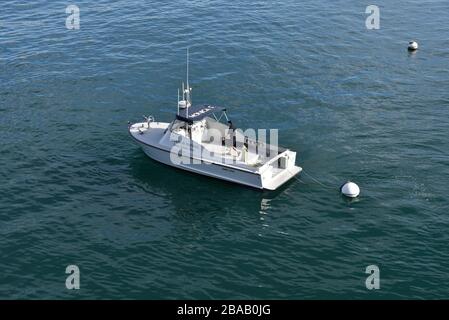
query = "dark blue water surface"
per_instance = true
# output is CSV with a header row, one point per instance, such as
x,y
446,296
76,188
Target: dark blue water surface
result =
x,y
352,102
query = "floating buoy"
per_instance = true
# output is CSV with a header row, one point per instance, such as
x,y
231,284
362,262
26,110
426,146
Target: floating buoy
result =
x,y
350,189
412,46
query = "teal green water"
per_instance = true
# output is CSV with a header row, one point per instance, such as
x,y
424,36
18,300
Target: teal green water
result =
x,y
352,102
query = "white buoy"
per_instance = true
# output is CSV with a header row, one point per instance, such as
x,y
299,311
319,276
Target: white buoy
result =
x,y
350,189
412,46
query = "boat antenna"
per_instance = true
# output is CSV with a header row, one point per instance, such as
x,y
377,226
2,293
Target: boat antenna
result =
x,y
188,87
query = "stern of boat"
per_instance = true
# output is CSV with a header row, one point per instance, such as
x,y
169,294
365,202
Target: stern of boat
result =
x,y
279,170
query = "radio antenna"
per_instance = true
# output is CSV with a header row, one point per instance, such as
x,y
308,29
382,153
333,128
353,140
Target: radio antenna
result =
x,y
188,88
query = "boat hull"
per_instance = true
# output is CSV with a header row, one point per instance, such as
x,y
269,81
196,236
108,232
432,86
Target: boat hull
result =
x,y
155,143
208,169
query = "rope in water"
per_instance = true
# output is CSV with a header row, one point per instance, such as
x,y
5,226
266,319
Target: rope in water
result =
x,y
379,200
311,177
314,179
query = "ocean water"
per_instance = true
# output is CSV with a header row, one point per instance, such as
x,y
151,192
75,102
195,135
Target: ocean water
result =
x,y
352,102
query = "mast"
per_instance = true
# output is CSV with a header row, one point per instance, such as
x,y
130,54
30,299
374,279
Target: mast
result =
x,y
183,91
186,102
188,87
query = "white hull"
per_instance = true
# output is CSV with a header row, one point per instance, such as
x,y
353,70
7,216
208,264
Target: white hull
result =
x,y
155,143
211,170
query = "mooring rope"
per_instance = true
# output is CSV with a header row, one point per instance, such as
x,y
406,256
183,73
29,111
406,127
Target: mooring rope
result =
x,y
311,177
316,180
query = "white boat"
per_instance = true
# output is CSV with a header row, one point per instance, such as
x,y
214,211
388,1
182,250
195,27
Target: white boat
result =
x,y
197,140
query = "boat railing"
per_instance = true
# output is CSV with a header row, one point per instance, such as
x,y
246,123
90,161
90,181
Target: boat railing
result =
x,y
266,166
148,120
